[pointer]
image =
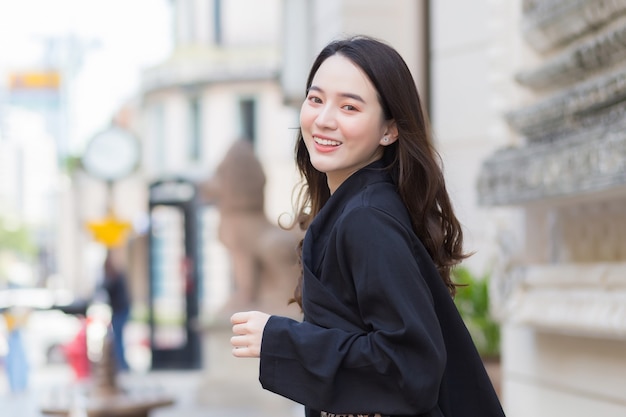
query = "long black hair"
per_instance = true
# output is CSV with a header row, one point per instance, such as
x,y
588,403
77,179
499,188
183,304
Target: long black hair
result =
x,y
414,164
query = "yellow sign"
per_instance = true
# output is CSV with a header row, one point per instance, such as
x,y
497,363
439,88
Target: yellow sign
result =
x,y
35,80
110,231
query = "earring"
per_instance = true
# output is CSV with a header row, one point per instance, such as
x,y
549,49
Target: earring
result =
x,y
386,139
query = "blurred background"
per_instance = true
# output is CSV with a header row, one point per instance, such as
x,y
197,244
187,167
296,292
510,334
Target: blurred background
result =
x,y
115,117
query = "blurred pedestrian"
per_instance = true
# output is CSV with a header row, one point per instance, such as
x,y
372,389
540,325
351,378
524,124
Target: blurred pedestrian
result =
x,y
115,285
381,335
17,366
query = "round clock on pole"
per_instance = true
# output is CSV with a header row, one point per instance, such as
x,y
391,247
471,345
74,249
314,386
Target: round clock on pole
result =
x,y
111,154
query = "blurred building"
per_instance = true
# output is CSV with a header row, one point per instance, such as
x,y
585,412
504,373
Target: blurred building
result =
x,y
30,114
37,191
220,84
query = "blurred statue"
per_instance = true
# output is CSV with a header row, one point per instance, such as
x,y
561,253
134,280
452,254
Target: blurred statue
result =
x,y
264,262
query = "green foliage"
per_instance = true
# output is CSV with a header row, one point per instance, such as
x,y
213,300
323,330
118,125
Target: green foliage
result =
x,y
16,238
472,301
70,164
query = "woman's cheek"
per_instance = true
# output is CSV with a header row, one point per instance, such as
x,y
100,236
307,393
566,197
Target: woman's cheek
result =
x,y
307,117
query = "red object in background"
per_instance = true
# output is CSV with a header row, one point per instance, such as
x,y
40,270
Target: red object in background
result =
x,y
76,352
186,268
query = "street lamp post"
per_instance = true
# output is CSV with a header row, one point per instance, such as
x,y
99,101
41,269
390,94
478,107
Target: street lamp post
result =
x,y
111,155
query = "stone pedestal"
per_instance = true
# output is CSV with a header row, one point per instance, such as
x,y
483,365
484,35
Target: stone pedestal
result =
x,y
118,405
102,396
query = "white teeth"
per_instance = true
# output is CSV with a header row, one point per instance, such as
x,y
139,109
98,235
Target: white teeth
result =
x,y
326,142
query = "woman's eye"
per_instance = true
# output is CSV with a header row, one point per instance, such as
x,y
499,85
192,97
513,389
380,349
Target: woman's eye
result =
x,y
349,107
315,99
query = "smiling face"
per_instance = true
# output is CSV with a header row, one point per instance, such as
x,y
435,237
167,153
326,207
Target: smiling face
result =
x,y
342,121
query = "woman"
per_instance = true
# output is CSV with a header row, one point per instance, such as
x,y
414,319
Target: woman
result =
x,y
381,334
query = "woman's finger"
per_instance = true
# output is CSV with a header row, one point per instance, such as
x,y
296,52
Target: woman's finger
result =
x,y
242,352
240,329
240,317
239,341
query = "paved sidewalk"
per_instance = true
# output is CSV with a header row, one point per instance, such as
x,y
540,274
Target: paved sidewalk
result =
x,y
194,394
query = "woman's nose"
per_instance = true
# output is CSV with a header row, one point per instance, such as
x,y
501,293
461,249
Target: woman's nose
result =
x,y
326,118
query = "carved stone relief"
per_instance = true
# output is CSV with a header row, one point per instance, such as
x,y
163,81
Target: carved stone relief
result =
x,y
572,169
592,232
595,160
580,299
568,109
572,65
551,23
573,135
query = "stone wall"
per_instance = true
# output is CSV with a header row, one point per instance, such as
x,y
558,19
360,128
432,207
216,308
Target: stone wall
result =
x,y
574,131
561,289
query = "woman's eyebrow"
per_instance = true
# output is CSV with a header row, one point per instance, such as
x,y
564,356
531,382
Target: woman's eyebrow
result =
x,y
347,95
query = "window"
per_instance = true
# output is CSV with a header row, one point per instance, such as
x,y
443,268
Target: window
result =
x,y
195,129
217,22
158,117
247,119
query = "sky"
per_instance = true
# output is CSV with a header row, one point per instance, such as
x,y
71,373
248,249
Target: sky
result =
x,y
118,37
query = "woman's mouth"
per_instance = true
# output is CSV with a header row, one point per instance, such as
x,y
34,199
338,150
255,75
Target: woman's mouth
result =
x,y
326,142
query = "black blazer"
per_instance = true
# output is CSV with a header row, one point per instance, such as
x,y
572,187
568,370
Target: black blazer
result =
x,y
381,333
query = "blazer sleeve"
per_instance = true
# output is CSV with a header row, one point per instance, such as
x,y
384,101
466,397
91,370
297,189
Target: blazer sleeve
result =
x,y
395,364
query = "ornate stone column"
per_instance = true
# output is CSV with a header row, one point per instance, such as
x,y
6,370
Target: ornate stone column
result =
x,y
565,278
571,167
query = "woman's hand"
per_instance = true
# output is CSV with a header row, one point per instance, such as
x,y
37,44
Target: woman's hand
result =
x,y
248,327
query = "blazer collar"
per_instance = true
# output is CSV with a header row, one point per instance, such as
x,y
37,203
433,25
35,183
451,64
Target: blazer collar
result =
x,y
317,235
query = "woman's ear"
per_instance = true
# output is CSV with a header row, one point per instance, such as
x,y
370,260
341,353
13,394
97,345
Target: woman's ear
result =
x,y
391,133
